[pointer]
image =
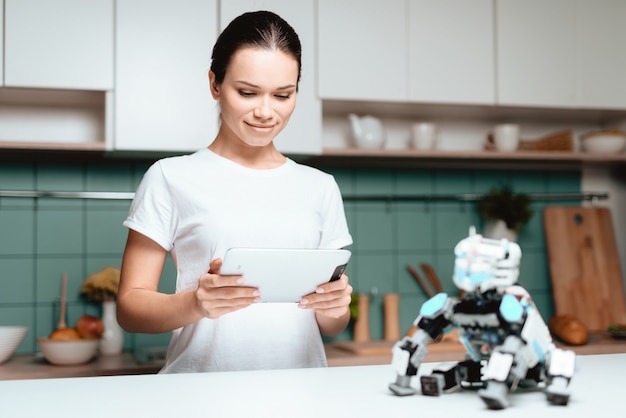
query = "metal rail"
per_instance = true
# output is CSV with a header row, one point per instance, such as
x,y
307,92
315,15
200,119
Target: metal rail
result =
x,y
68,195
472,197
466,197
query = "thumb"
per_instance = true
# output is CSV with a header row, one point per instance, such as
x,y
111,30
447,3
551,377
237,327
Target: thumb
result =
x,y
215,266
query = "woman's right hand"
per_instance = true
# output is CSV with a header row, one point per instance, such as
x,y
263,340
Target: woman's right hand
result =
x,y
217,295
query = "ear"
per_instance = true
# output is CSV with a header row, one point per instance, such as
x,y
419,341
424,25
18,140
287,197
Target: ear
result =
x,y
215,90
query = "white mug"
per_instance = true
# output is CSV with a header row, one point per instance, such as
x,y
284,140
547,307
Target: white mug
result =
x,y
506,137
424,135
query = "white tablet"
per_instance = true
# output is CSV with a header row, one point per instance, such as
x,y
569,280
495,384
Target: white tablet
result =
x,y
285,275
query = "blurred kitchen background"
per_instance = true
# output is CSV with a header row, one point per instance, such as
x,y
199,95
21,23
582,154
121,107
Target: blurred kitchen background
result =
x,y
94,92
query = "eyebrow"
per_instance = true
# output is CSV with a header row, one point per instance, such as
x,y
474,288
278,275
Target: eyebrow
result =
x,y
287,87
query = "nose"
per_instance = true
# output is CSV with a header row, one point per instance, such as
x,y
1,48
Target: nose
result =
x,y
263,110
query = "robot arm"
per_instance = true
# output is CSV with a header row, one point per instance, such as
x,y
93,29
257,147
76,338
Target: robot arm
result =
x,y
409,352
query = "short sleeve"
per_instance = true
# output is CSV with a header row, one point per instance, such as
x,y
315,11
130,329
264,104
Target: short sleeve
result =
x,y
335,232
152,212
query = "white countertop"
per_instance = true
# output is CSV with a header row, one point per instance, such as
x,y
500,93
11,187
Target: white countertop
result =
x,y
358,391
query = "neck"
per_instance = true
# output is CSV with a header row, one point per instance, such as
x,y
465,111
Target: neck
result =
x,y
262,158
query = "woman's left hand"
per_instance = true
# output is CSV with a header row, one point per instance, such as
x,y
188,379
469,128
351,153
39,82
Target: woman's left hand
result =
x,y
331,299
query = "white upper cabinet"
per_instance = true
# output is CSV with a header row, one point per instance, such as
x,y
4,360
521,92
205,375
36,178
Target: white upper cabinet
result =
x,y
451,51
1,42
561,53
602,60
65,44
162,96
303,134
536,52
362,49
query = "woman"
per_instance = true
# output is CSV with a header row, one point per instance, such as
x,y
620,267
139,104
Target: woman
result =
x,y
238,192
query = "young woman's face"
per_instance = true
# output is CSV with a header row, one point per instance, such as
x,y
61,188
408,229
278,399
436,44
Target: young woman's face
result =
x,y
258,95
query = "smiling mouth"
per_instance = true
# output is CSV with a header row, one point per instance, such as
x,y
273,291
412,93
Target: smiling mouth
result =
x,y
261,127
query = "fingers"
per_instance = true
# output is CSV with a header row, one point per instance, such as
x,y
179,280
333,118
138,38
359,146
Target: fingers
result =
x,y
330,299
217,295
214,302
336,285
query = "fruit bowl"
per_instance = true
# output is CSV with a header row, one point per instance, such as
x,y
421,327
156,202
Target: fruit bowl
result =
x,y
603,142
10,338
68,352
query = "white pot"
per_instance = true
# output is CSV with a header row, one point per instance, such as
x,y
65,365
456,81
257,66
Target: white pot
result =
x,y
497,230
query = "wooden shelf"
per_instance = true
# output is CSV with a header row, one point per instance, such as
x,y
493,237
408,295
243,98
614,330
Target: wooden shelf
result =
x,y
485,159
53,146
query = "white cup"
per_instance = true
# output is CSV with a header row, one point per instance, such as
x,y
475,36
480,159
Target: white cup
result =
x,y
424,135
506,137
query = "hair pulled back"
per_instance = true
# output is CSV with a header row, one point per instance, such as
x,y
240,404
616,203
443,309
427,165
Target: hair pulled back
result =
x,y
260,29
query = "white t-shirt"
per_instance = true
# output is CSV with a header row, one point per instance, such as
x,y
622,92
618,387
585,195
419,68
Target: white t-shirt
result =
x,y
196,207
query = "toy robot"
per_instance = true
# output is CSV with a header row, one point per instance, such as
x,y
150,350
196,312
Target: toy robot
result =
x,y
508,344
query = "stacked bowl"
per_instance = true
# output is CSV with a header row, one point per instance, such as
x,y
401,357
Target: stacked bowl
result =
x,y
10,338
610,142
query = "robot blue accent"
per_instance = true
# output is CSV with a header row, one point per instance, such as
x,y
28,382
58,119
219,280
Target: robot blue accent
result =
x,y
434,304
511,309
507,342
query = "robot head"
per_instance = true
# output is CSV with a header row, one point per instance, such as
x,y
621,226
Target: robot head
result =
x,y
483,263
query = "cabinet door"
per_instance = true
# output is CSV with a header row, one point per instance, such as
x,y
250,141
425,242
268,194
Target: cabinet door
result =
x,y
536,52
602,65
362,49
162,97
451,51
303,134
64,44
561,53
1,42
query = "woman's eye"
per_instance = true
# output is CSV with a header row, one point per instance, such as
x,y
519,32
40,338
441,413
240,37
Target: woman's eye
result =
x,y
245,93
283,96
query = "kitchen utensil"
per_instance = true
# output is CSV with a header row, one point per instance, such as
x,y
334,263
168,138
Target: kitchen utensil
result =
x,y
367,131
391,305
429,291
557,141
62,324
584,265
361,330
432,276
424,135
62,331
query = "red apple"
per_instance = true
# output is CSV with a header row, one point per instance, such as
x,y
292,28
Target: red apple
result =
x,y
89,326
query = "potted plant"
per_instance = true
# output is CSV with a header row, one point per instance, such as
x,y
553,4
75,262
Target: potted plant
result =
x,y
505,212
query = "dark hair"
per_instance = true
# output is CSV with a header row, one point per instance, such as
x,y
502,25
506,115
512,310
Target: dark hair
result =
x,y
260,29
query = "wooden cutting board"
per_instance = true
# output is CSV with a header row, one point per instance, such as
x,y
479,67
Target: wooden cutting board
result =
x,y
584,265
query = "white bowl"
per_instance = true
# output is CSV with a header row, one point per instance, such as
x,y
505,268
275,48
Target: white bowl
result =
x,y
609,142
68,352
10,338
